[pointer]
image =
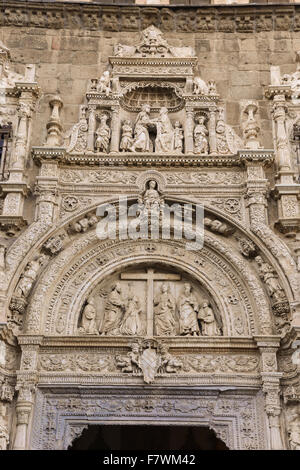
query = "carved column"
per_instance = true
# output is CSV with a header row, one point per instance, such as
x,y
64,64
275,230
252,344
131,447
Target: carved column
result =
x,y
268,347
188,131
115,130
26,386
16,187
279,116
212,131
287,191
24,113
91,129
7,348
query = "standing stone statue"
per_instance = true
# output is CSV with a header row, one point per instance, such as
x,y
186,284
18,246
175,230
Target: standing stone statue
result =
x,y
164,142
178,137
132,322
269,277
200,137
206,316
103,135
126,139
164,310
114,310
188,309
141,142
29,276
88,322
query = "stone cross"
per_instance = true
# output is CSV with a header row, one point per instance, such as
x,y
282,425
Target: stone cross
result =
x,y
150,276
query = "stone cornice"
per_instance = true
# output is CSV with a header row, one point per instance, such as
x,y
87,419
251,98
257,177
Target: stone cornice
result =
x,y
96,16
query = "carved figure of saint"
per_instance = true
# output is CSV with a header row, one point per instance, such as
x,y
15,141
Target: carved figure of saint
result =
x,y
178,137
188,310
104,83
141,142
206,316
200,137
88,322
164,310
132,323
103,135
151,199
126,139
164,141
28,277
114,310
269,277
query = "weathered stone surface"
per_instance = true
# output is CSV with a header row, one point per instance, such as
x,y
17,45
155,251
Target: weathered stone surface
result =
x,y
167,107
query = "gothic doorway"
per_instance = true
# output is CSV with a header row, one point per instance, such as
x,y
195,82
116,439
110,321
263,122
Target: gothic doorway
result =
x,y
151,437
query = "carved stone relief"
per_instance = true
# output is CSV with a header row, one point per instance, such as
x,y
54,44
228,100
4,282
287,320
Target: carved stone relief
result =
x,y
228,414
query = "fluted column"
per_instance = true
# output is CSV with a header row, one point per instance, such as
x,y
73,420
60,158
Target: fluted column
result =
x,y
268,347
188,131
212,131
115,130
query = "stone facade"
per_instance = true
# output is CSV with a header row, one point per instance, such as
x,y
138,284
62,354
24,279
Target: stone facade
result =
x,y
162,106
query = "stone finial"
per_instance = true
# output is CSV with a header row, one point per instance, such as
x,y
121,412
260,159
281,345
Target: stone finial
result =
x,y
251,127
54,126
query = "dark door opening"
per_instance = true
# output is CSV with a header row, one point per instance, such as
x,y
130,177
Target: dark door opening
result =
x,y
151,437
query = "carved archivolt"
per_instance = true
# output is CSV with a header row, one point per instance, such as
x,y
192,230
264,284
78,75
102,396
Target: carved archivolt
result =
x,y
71,278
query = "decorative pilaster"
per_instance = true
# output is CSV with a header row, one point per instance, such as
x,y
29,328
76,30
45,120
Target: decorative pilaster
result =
x,y
257,184
91,129
188,131
46,190
46,203
268,347
24,115
287,191
115,130
26,385
212,130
